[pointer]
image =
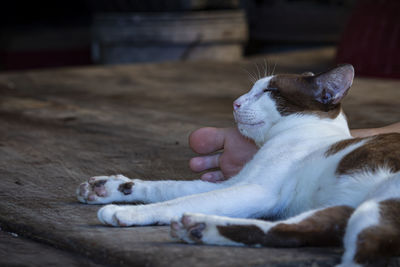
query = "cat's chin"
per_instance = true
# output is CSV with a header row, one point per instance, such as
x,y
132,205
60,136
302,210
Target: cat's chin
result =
x,y
255,132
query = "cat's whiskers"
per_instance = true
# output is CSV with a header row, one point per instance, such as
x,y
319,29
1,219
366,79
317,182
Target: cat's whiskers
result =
x,y
258,71
273,70
252,78
265,68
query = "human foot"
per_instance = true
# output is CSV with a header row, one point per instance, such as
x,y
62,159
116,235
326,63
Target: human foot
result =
x,y
392,128
237,151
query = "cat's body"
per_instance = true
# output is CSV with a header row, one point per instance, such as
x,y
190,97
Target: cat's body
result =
x,y
309,172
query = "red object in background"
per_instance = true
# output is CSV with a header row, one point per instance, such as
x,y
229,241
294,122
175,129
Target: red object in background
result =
x,y
21,60
371,40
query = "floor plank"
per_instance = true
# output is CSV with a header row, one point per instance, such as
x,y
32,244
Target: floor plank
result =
x,y
18,251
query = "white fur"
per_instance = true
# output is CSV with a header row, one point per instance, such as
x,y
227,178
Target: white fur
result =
x,y
364,216
226,202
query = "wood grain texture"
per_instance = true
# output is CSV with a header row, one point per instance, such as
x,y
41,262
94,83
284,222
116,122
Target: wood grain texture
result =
x,y
59,127
18,251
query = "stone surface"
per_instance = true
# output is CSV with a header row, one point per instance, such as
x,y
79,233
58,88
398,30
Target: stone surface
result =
x,y
59,127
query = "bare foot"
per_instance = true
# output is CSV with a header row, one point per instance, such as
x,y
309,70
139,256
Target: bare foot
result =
x,y
237,151
392,128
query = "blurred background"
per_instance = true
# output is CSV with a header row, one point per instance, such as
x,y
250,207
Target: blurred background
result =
x,y
47,34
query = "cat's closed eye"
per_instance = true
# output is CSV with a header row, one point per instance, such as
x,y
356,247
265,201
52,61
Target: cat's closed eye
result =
x,y
270,89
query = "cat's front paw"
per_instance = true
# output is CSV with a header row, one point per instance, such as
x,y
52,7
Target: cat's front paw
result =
x,y
127,215
200,229
106,215
104,189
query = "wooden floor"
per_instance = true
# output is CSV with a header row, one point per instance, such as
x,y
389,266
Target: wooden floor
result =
x,y
59,127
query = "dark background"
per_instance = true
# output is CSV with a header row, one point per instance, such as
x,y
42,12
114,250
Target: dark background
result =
x,y
44,34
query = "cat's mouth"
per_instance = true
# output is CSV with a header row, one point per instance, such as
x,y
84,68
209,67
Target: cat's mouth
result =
x,y
250,123
240,119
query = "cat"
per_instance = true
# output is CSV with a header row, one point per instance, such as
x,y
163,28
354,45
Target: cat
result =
x,y
317,185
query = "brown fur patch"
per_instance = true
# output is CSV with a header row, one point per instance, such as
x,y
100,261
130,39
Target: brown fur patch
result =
x,y
295,94
381,151
337,147
196,232
246,234
126,188
381,241
324,228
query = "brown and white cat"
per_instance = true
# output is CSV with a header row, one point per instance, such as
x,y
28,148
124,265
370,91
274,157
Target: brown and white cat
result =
x,y
321,186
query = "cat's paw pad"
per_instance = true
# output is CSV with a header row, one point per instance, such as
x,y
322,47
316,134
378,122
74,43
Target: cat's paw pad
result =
x,y
104,189
188,229
200,229
196,228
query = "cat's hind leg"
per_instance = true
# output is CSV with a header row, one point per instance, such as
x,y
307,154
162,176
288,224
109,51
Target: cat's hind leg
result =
x,y
373,233
320,227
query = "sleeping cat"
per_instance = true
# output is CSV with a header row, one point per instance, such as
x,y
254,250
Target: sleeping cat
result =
x,y
321,186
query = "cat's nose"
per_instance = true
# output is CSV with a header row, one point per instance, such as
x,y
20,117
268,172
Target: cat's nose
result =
x,y
236,105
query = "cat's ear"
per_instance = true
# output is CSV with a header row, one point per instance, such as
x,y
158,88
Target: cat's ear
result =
x,y
334,84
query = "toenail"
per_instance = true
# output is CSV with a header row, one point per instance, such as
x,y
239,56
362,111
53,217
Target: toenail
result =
x,y
208,176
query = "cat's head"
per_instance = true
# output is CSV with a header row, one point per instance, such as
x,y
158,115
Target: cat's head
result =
x,y
273,98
